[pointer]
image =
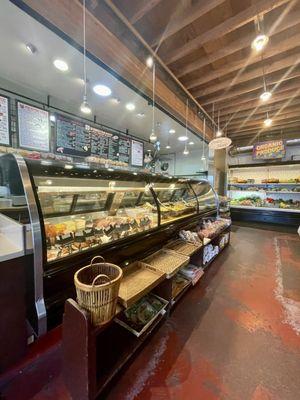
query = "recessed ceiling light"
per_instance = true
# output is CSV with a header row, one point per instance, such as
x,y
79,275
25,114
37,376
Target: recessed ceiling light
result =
x,y
31,48
268,122
265,96
172,131
182,138
149,62
191,143
259,42
102,90
168,146
141,115
115,100
61,65
130,106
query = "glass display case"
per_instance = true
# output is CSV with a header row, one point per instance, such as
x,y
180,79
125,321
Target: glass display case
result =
x,y
78,211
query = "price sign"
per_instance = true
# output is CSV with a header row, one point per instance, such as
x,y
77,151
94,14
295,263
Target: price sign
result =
x,y
4,121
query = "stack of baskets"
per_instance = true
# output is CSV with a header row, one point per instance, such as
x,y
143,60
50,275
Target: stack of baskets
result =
x,y
97,288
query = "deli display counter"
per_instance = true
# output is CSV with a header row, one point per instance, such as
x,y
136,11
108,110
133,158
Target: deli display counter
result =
x,y
77,211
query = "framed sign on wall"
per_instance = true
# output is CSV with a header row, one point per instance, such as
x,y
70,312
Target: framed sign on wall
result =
x,y
4,121
269,150
33,127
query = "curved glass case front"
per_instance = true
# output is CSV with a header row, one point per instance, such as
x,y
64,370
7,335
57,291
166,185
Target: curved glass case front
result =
x,y
83,213
176,200
205,195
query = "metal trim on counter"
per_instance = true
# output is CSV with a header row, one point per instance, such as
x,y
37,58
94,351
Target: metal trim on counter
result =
x,y
37,246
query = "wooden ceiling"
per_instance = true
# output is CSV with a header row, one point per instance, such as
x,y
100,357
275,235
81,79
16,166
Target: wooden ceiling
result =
x,y
207,45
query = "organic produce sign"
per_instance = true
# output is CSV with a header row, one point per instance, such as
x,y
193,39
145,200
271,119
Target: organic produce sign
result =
x,y
269,150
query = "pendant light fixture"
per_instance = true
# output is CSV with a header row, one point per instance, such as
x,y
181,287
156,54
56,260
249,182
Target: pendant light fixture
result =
x,y
266,94
85,107
203,158
153,136
268,121
261,39
186,150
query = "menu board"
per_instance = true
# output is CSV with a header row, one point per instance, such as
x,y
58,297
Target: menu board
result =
x,y
124,149
33,124
72,137
269,150
137,153
99,141
109,145
4,121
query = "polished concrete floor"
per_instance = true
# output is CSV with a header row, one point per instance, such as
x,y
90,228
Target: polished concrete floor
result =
x,y
235,336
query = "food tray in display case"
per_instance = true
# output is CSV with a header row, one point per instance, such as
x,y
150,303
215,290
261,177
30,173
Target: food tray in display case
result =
x,y
138,279
183,247
141,315
167,261
179,283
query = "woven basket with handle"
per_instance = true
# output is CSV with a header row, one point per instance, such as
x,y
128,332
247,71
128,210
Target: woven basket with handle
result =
x,y
97,288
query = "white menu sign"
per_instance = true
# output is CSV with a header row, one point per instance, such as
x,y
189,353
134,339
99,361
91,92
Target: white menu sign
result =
x,y
4,121
137,153
33,125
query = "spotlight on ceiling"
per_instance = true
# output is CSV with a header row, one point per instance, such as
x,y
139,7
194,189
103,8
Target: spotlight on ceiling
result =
x,y
191,143
31,48
172,131
219,133
265,96
102,90
149,62
268,122
186,152
259,42
61,65
130,106
182,138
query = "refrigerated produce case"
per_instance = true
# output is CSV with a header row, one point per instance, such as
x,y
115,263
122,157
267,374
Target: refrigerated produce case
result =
x,y
77,211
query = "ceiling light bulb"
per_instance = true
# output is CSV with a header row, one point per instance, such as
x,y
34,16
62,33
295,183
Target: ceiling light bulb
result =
x,y
61,65
141,115
182,138
31,48
259,42
153,137
52,118
172,131
186,152
85,107
130,106
168,146
191,143
265,96
102,90
268,122
149,62
203,158
219,133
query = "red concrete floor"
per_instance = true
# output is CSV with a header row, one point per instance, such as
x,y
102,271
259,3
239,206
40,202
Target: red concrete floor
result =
x,y
235,336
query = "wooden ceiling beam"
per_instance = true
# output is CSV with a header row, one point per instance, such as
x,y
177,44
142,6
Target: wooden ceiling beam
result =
x,y
279,125
237,45
258,118
242,18
259,122
287,81
271,51
142,11
270,67
256,135
188,16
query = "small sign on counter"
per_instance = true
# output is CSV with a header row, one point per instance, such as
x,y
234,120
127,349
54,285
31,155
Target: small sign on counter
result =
x,y
4,121
33,126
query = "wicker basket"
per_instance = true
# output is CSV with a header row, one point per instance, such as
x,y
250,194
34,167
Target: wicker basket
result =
x,y
97,288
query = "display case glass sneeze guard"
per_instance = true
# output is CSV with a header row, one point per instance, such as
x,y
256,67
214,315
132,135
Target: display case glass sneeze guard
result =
x,y
83,213
205,195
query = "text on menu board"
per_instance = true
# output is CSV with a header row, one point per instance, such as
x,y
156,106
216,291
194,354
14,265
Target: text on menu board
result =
x,y
109,145
72,137
33,124
269,150
4,121
137,153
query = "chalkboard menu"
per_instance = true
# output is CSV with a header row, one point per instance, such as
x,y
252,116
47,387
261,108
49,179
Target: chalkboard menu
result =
x,y
72,137
99,141
4,121
137,153
109,145
33,124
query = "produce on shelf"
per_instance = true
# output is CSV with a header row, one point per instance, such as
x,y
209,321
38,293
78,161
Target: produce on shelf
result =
x,y
254,201
211,227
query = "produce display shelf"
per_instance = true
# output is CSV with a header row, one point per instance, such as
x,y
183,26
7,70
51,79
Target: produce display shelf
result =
x,y
293,210
167,261
265,191
264,184
138,279
281,192
183,247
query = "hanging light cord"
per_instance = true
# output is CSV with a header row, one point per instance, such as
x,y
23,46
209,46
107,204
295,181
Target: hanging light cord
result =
x,y
204,127
263,69
84,50
153,95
